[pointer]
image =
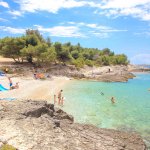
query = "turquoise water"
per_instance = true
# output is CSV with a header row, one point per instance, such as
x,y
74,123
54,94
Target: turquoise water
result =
x,y
131,112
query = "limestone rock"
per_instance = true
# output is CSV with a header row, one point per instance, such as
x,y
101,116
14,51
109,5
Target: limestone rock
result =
x,y
36,125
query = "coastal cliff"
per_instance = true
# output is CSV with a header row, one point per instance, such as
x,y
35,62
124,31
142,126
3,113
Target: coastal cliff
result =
x,y
37,125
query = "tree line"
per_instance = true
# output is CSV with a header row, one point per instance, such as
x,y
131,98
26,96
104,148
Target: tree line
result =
x,y
35,49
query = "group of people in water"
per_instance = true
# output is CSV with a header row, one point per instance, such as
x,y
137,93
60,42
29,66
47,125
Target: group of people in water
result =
x,y
112,98
59,99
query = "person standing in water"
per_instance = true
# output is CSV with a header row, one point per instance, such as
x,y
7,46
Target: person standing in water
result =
x,y
62,101
59,96
55,99
113,100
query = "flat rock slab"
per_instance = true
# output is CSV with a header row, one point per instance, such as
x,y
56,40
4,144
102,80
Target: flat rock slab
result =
x,y
36,125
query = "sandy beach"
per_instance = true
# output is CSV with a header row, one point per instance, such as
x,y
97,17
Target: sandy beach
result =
x,y
30,88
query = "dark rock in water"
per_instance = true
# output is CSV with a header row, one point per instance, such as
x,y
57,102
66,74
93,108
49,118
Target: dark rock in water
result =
x,y
36,125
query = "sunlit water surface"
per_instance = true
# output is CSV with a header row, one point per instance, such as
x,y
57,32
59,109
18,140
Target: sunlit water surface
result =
x,y
131,112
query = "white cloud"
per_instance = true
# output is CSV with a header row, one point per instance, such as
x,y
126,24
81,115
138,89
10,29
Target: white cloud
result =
x,y
93,29
61,31
123,4
15,13
101,35
92,25
135,8
70,29
57,31
3,20
145,33
97,27
81,29
4,4
49,5
97,30
141,59
12,30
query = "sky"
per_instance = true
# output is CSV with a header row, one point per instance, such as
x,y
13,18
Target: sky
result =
x,y
120,25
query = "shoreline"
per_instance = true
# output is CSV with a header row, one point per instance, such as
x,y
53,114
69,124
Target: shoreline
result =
x,y
45,89
39,125
30,88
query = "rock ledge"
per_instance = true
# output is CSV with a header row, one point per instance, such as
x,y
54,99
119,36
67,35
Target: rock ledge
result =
x,y
37,125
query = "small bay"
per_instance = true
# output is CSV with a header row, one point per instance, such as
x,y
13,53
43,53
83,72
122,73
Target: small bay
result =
x,y
90,102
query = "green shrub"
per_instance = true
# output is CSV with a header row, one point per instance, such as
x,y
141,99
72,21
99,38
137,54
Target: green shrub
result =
x,y
79,63
89,63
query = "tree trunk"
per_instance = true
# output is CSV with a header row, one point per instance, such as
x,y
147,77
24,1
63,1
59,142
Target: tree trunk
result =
x,y
14,59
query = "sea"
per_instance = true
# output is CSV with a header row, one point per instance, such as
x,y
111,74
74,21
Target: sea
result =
x,y
90,102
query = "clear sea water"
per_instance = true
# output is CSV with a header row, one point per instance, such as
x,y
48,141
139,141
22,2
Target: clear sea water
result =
x,y
131,112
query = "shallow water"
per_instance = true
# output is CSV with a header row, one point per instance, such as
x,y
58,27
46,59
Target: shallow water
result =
x,y
131,112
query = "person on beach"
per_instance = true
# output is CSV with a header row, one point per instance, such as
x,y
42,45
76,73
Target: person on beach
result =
x,y
59,96
6,70
35,76
113,100
16,86
10,83
62,101
55,99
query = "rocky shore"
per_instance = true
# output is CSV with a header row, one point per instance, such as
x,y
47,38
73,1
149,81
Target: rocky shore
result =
x,y
105,73
37,125
109,74
118,73
138,68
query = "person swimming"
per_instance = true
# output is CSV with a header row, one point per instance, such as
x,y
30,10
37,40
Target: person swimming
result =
x,y
102,93
59,96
